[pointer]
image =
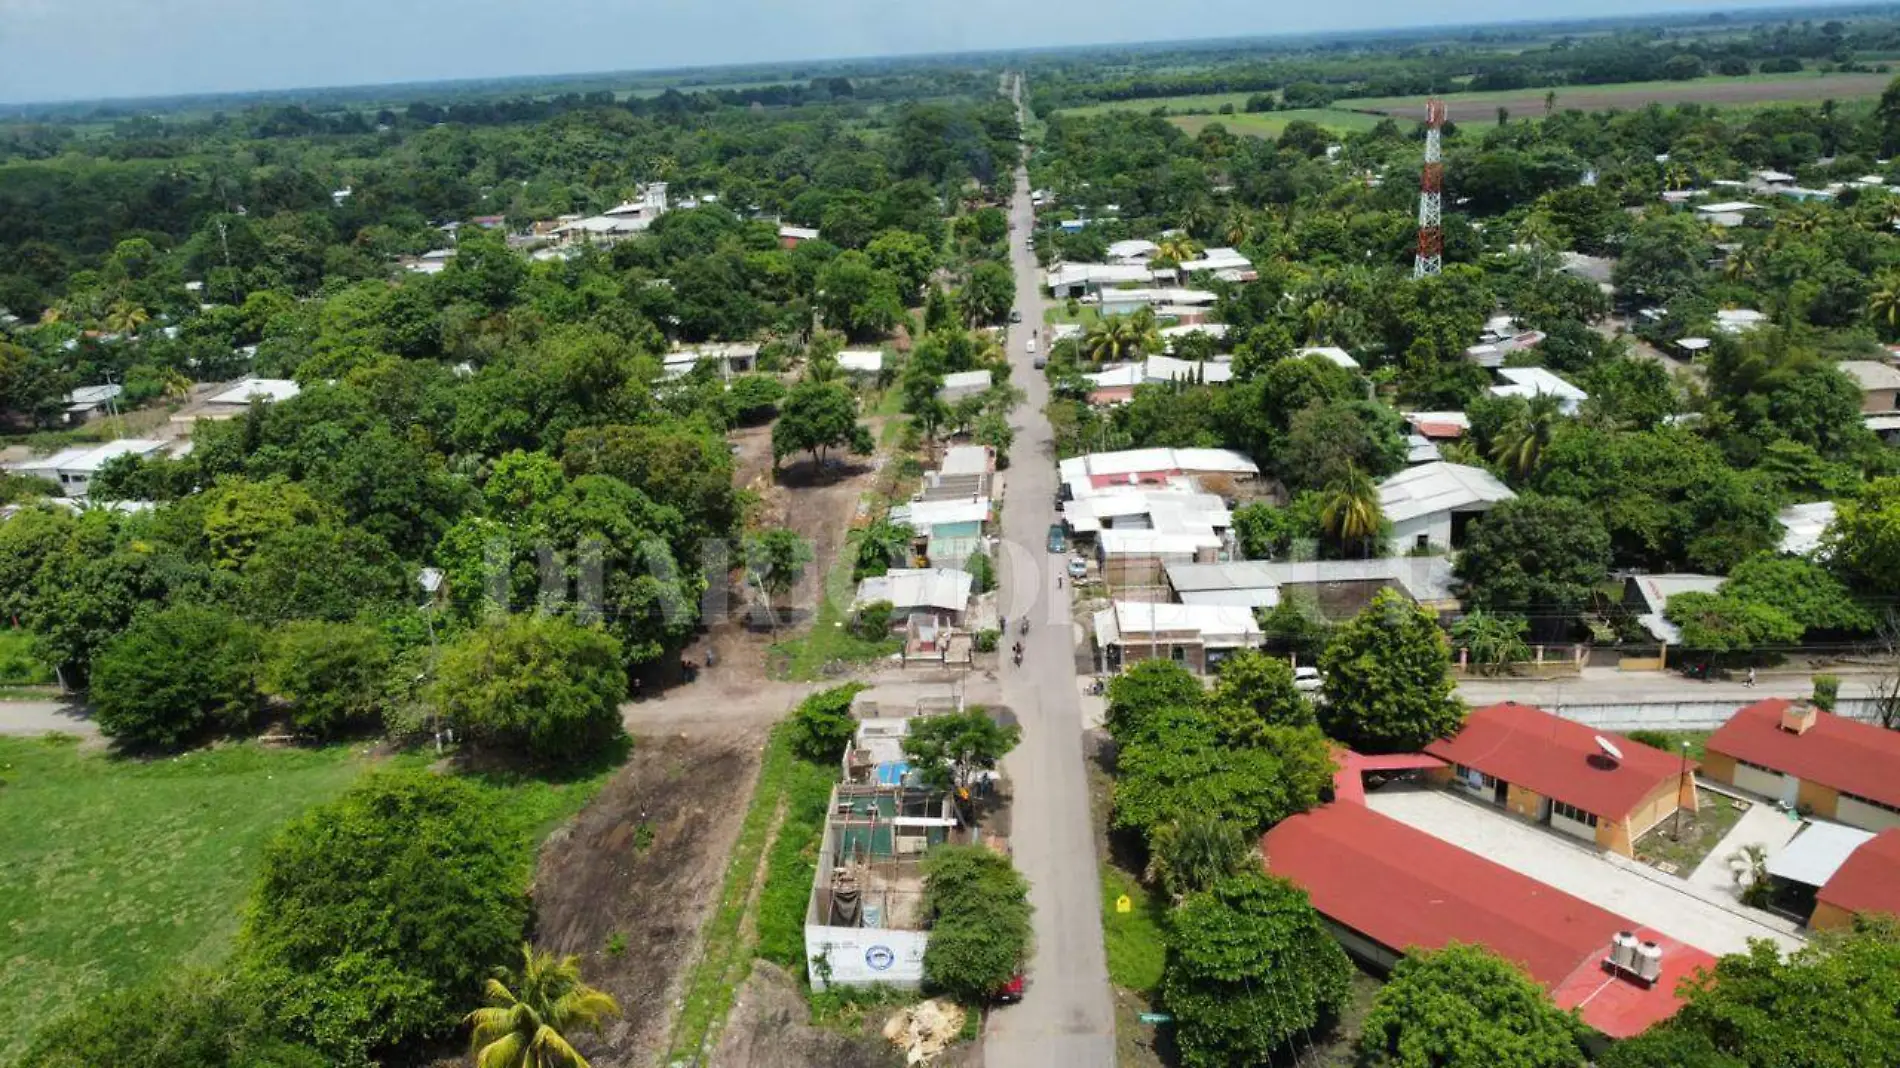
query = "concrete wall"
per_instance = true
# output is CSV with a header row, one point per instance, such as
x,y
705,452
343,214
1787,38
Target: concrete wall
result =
x,y
1136,648
1526,803
1878,401
1573,828
1622,716
864,956
1720,767
1867,817
1436,528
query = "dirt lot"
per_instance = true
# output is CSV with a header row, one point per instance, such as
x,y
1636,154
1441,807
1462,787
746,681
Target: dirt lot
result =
x,y
629,883
1526,103
769,1029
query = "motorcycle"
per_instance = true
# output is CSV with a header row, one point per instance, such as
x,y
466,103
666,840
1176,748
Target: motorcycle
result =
x,y
1024,629
1017,652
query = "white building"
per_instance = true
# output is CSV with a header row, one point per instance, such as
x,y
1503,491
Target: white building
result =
x,y
1802,526
238,398
963,384
72,469
1528,382
82,402
731,357
1220,261
918,590
1430,505
1102,471
1135,251
1652,593
1197,636
861,362
1738,320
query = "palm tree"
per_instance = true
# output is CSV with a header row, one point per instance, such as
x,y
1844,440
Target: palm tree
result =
x,y
1116,339
1238,228
1676,175
125,317
1177,247
1740,265
1198,216
1495,642
1883,304
1521,444
1349,510
1195,852
522,1027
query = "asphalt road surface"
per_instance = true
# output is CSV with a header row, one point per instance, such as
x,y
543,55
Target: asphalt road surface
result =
x,y
1066,1017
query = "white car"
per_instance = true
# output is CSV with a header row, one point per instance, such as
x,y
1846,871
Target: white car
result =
x,y
1078,568
1307,679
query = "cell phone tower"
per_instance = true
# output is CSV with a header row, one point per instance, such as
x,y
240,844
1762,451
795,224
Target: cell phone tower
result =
x,y
1431,196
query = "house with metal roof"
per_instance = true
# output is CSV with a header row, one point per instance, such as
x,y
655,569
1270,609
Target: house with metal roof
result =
x,y
932,591
1332,354
81,403
1817,762
1116,383
1602,788
1198,637
1879,385
73,469
1340,588
1432,504
963,384
1651,593
1802,526
1528,382
1096,471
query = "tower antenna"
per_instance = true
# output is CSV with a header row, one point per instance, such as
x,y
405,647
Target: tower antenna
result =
x,y
1431,195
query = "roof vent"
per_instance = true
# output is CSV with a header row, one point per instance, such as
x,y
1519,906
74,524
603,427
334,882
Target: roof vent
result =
x,y
1798,718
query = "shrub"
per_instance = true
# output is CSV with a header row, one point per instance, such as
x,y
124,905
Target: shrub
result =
x,y
187,1021
982,572
332,673
987,640
1653,739
872,622
978,908
537,683
1827,689
175,675
822,725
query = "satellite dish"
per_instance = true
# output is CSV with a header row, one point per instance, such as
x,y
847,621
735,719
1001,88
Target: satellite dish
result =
x,y
1609,748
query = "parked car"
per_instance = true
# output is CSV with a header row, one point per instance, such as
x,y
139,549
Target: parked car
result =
x,y
1078,568
1058,538
1015,315
1032,346
1308,679
1040,361
1011,992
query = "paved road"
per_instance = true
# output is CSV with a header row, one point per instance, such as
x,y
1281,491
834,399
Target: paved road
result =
x,y
45,717
1067,1016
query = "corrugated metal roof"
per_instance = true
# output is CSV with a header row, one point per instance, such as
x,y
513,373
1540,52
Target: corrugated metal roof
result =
x,y
1816,852
1440,487
1847,755
1870,879
1560,759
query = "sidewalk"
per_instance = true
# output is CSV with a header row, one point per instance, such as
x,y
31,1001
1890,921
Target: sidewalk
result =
x,y
1763,825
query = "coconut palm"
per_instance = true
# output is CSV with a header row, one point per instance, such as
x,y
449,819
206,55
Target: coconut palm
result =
x,y
1677,175
1740,265
125,317
521,1027
1349,510
1119,338
1198,217
1195,852
1238,228
1177,247
1883,304
1522,442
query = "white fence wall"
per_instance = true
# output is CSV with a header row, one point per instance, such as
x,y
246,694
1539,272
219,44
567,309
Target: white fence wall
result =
x,y
865,956
1679,715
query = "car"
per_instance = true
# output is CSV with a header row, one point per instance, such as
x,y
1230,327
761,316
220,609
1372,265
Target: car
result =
x,y
1015,315
1078,568
1011,992
1058,538
1308,679
1040,361
1032,346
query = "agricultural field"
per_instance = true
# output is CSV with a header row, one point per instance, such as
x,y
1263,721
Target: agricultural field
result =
x,y
1752,90
1272,124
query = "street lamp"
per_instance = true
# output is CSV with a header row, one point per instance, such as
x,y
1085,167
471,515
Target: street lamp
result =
x,y
1682,774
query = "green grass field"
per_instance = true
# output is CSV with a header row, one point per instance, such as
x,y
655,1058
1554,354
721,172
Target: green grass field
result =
x,y
114,872
1273,123
1753,90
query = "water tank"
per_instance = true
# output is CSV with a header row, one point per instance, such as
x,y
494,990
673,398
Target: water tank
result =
x,y
1649,962
1623,950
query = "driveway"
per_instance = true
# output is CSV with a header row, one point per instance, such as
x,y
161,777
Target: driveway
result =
x,y
46,717
1066,1017
1670,905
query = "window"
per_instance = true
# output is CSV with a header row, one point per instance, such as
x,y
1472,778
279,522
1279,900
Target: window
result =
x,y
1757,767
1870,802
1573,813
1422,542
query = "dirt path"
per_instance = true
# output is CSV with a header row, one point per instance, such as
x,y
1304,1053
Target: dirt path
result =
x,y
629,883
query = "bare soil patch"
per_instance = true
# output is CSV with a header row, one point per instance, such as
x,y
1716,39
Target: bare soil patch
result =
x,y
629,883
770,1028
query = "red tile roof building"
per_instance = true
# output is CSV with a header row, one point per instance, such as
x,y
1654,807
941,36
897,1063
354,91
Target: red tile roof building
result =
x,y
1868,882
1830,766
1554,771
1389,888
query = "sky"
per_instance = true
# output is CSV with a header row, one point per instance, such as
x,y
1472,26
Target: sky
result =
x,y
90,49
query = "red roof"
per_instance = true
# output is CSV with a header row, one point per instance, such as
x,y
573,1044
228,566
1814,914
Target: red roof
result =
x,y
1350,768
1560,759
1439,430
1402,888
1844,754
1870,880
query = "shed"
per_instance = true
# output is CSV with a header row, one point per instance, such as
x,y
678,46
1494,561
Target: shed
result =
x,y
1431,504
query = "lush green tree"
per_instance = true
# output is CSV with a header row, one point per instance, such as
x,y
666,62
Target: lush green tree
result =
x,y
1534,555
1188,764
174,675
880,545
775,561
818,417
187,1020
1863,543
1827,1005
1463,1005
1800,589
978,910
1523,440
858,299
1388,687
905,256
542,685
1250,967
754,398
333,674
988,295
1662,259
1138,696
324,571
949,750
239,514
1197,851
376,916
530,1013
1719,623
1326,442
1252,690
822,726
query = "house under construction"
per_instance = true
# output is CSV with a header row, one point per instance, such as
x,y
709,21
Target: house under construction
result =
x,y
864,925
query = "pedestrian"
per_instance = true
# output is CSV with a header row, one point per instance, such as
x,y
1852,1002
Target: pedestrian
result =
x,y
1751,678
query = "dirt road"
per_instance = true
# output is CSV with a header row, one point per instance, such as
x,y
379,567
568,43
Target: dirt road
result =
x,y
1066,1017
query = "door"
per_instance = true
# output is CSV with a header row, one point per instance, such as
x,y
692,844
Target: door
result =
x,y
1502,792
1790,790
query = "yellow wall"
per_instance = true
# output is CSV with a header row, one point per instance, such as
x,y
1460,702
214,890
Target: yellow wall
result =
x,y
1817,799
1719,766
1439,776
1828,917
1525,803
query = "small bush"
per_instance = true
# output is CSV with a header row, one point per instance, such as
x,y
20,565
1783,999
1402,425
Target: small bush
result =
x,y
1653,739
987,640
822,725
872,622
1827,689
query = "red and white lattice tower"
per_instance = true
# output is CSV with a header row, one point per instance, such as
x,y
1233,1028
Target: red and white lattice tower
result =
x,y
1431,196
